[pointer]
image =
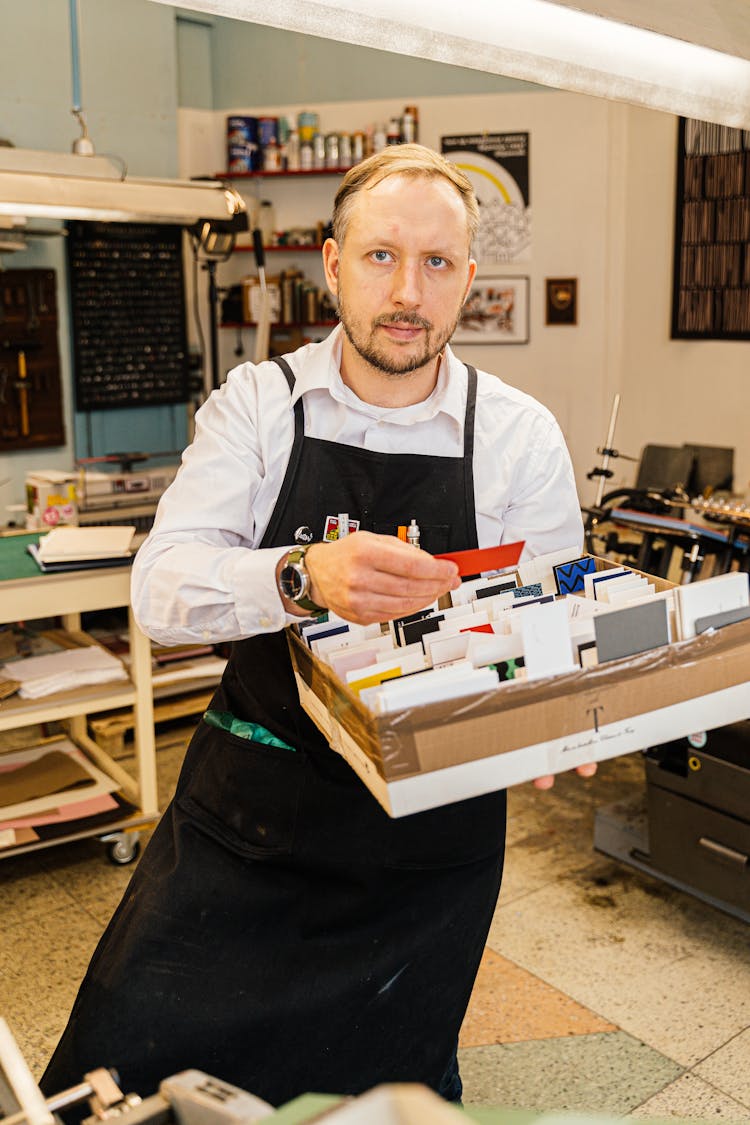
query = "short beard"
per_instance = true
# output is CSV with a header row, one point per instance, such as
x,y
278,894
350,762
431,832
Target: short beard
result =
x,y
371,351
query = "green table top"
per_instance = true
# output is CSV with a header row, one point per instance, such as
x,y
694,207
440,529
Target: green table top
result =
x,y
15,561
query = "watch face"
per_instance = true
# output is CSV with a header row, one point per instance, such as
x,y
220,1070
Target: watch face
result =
x,y
291,582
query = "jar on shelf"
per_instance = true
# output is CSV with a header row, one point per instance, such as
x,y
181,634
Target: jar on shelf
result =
x,y
272,157
393,135
319,151
306,155
293,152
267,221
332,150
409,125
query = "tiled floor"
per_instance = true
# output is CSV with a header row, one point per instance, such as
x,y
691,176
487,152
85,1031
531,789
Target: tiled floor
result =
x,y
601,990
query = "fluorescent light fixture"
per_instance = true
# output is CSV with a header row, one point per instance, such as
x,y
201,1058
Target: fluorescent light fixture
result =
x,y
678,71
59,186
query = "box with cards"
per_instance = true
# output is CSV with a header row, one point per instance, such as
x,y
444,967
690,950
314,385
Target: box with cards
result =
x,y
526,670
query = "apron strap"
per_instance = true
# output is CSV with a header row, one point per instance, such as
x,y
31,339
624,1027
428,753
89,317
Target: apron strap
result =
x,y
471,404
294,457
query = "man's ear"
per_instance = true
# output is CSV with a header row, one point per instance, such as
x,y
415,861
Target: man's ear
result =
x,y
472,275
331,258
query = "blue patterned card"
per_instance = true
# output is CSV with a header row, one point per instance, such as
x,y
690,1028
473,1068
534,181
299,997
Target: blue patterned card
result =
x,y
569,576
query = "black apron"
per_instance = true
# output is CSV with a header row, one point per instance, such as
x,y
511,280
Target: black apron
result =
x,y
281,932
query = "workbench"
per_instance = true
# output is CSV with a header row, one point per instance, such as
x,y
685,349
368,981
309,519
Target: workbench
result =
x,y
27,594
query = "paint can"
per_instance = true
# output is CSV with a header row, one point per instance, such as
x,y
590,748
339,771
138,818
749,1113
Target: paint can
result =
x,y
243,154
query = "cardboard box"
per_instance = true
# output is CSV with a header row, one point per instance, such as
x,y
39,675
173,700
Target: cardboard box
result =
x,y
51,499
442,752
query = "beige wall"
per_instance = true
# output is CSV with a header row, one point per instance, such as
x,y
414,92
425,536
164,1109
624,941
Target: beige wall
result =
x,y
602,200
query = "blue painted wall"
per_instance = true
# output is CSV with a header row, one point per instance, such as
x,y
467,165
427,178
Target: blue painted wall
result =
x,y
128,66
139,61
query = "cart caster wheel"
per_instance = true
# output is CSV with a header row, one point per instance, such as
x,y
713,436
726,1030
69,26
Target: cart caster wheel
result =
x,y
125,849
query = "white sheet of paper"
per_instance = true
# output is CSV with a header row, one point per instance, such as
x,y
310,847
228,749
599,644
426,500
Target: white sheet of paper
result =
x,y
439,683
357,656
711,595
539,569
443,648
546,640
485,649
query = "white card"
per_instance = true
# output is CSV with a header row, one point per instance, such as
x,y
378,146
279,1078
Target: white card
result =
x,y
711,595
540,569
546,640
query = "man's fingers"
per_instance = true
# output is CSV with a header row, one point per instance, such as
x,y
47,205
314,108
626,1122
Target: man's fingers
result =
x,y
367,577
545,782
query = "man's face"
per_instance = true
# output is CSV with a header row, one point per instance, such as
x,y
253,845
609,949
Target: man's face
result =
x,y
403,272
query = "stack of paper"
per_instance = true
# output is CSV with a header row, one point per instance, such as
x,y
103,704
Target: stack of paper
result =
x,y
24,817
74,544
59,671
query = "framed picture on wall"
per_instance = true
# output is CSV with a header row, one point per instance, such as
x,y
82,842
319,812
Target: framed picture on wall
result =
x,y
496,312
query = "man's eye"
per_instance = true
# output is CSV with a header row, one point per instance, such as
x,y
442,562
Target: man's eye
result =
x,y
380,255
436,261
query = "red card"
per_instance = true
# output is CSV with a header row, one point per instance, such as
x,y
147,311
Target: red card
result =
x,y
485,558
478,629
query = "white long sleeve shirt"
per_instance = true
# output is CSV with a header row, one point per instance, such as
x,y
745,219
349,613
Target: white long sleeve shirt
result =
x,y
200,576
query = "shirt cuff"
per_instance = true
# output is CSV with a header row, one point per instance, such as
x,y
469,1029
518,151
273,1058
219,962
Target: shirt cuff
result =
x,y
258,603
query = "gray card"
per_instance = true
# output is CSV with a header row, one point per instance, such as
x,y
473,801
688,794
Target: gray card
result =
x,y
636,628
719,620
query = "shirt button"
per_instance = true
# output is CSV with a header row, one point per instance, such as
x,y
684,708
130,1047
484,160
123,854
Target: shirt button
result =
x,y
266,621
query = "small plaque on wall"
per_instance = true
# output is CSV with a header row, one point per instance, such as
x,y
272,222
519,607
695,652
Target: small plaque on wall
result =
x,y
561,300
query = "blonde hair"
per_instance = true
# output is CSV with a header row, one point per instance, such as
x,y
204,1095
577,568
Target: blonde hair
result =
x,y
410,160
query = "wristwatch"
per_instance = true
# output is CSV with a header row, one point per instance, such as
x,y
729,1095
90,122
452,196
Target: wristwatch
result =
x,y
295,583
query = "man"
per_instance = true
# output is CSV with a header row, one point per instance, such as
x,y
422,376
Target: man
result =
x,y
281,932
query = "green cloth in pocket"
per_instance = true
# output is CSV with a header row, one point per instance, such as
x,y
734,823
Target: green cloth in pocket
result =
x,y
254,732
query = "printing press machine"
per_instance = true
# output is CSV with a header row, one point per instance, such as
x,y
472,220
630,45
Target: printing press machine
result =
x,y
195,1098
695,832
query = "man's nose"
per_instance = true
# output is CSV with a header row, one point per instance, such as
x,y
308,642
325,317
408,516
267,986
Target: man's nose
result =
x,y
407,285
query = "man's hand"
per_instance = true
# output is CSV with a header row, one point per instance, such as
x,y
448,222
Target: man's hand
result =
x,y
548,780
366,578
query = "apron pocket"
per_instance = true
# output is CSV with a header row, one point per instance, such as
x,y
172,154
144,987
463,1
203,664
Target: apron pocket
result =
x,y
243,793
450,836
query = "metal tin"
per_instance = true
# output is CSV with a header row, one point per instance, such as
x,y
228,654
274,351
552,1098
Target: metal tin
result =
x,y
268,130
358,147
243,153
345,151
332,150
307,125
408,128
319,151
306,156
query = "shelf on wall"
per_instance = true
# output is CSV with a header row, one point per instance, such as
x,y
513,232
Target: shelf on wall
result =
x,y
289,248
278,324
281,174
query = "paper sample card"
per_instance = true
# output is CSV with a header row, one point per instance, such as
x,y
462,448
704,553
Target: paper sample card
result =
x,y
485,558
637,628
719,620
546,640
569,576
539,569
711,595
499,587
530,590
593,581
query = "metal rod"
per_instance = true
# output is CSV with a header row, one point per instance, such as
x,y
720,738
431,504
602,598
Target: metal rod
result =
x,y
28,1095
607,447
75,61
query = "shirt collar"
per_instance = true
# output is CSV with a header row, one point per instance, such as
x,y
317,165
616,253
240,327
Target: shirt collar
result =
x,y
321,372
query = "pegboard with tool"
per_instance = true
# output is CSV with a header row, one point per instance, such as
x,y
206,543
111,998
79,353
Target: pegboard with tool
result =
x,y
31,403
